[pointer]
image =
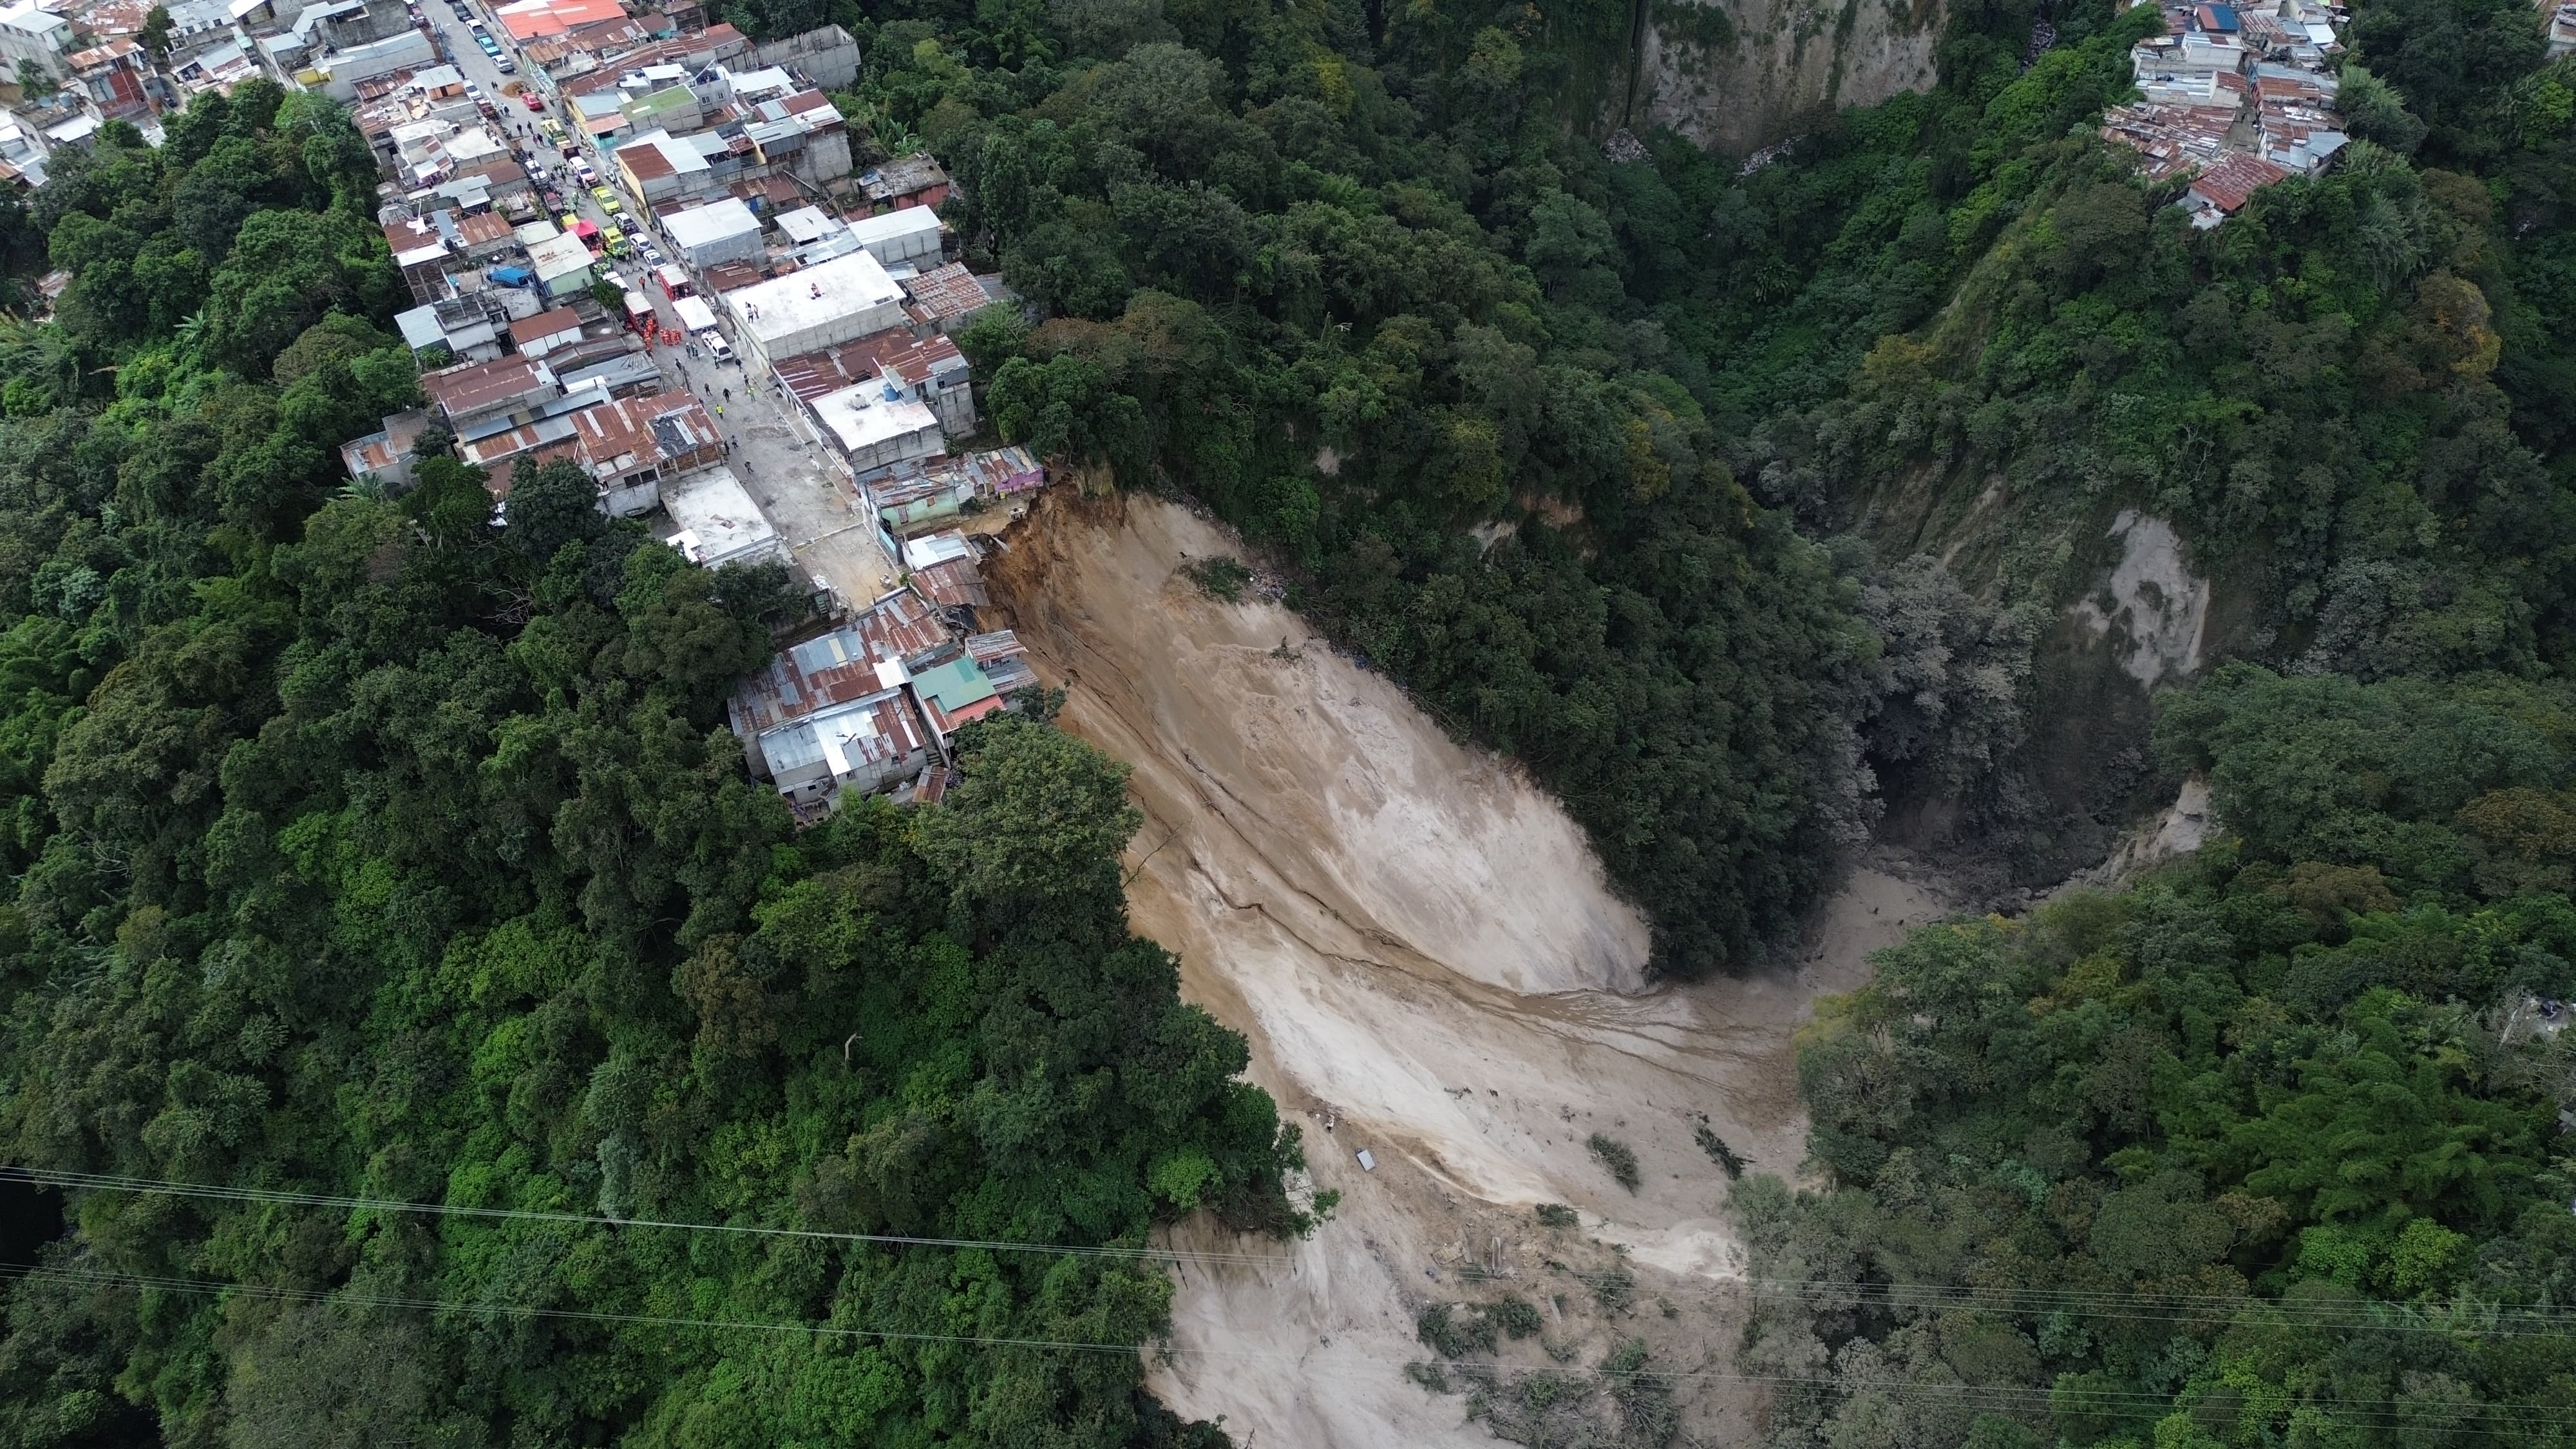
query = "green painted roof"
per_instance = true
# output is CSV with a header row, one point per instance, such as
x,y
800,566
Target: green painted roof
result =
x,y
956,684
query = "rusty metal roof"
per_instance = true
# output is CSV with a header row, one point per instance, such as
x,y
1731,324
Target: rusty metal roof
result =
x,y
900,626
952,584
839,666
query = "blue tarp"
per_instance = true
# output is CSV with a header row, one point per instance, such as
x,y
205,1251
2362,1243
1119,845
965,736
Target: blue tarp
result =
x,y
512,276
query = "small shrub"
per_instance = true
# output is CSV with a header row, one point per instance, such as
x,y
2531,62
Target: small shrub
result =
x,y
1451,1334
1719,1153
1616,1156
1647,1415
1539,1391
1518,1316
1219,577
1428,1374
1556,1215
1614,1289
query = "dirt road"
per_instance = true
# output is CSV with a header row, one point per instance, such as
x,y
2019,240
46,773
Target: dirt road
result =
x,y
1428,964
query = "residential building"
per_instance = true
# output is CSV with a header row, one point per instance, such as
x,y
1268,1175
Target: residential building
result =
x,y
218,67
875,426
478,236
955,694
916,497
385,456
911,237
31,35
641,445
930,371
632,447
942,569
420,253
861,747
2221,191
536,336
873,652
470,327
477,391
721,231
619,374
24,152
813,308
717,523
916,180
661,171
533,19
562,266
828,57
2213,69
800,134
116,76
945,299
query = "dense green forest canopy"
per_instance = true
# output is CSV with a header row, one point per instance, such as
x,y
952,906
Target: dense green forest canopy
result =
x,y
363,849
1533,424
2265,1151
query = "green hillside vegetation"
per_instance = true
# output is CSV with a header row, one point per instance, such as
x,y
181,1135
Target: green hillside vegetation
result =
x,y
365,849
2265,1151
1348,278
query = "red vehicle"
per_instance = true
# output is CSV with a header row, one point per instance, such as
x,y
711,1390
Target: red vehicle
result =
x,y
532,101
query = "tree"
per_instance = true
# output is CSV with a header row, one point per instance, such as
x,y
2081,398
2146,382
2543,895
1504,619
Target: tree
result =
x,y
156,34
1038,823
2375,111
549,506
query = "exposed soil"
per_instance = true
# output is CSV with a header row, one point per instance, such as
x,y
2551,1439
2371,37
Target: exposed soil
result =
x,y
1428,964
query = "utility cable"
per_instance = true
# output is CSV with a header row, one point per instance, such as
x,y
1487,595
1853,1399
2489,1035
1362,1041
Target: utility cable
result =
x,y
110,1182
2359,1412
2102,1304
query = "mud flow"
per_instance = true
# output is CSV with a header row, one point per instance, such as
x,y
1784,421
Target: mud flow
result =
x,y
1429,965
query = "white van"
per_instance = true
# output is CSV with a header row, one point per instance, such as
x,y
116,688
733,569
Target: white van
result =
x,y
717,348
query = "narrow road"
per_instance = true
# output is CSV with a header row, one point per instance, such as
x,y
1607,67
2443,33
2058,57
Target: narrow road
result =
x,y
797,487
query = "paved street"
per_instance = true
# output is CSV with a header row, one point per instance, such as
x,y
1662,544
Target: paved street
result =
x,y
795,486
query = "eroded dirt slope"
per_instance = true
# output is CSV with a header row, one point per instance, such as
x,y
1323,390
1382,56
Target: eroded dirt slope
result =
x,y
1428,964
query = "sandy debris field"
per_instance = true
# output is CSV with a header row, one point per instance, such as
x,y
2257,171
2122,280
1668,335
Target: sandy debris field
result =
x,y
1429,964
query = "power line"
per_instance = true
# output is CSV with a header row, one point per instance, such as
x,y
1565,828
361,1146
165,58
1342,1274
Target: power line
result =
x,y
2104,1304
2080,1303
1756,1287
110,1182
2372,1412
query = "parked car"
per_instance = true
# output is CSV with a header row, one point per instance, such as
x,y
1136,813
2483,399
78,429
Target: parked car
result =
x,y
627,223
532,101
505,65
715,345
652,255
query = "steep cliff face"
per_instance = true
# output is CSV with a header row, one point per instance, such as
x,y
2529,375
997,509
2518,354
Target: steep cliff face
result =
x,y
1737,75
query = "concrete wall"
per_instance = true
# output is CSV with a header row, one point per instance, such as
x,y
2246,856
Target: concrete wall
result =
x,y
829,57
